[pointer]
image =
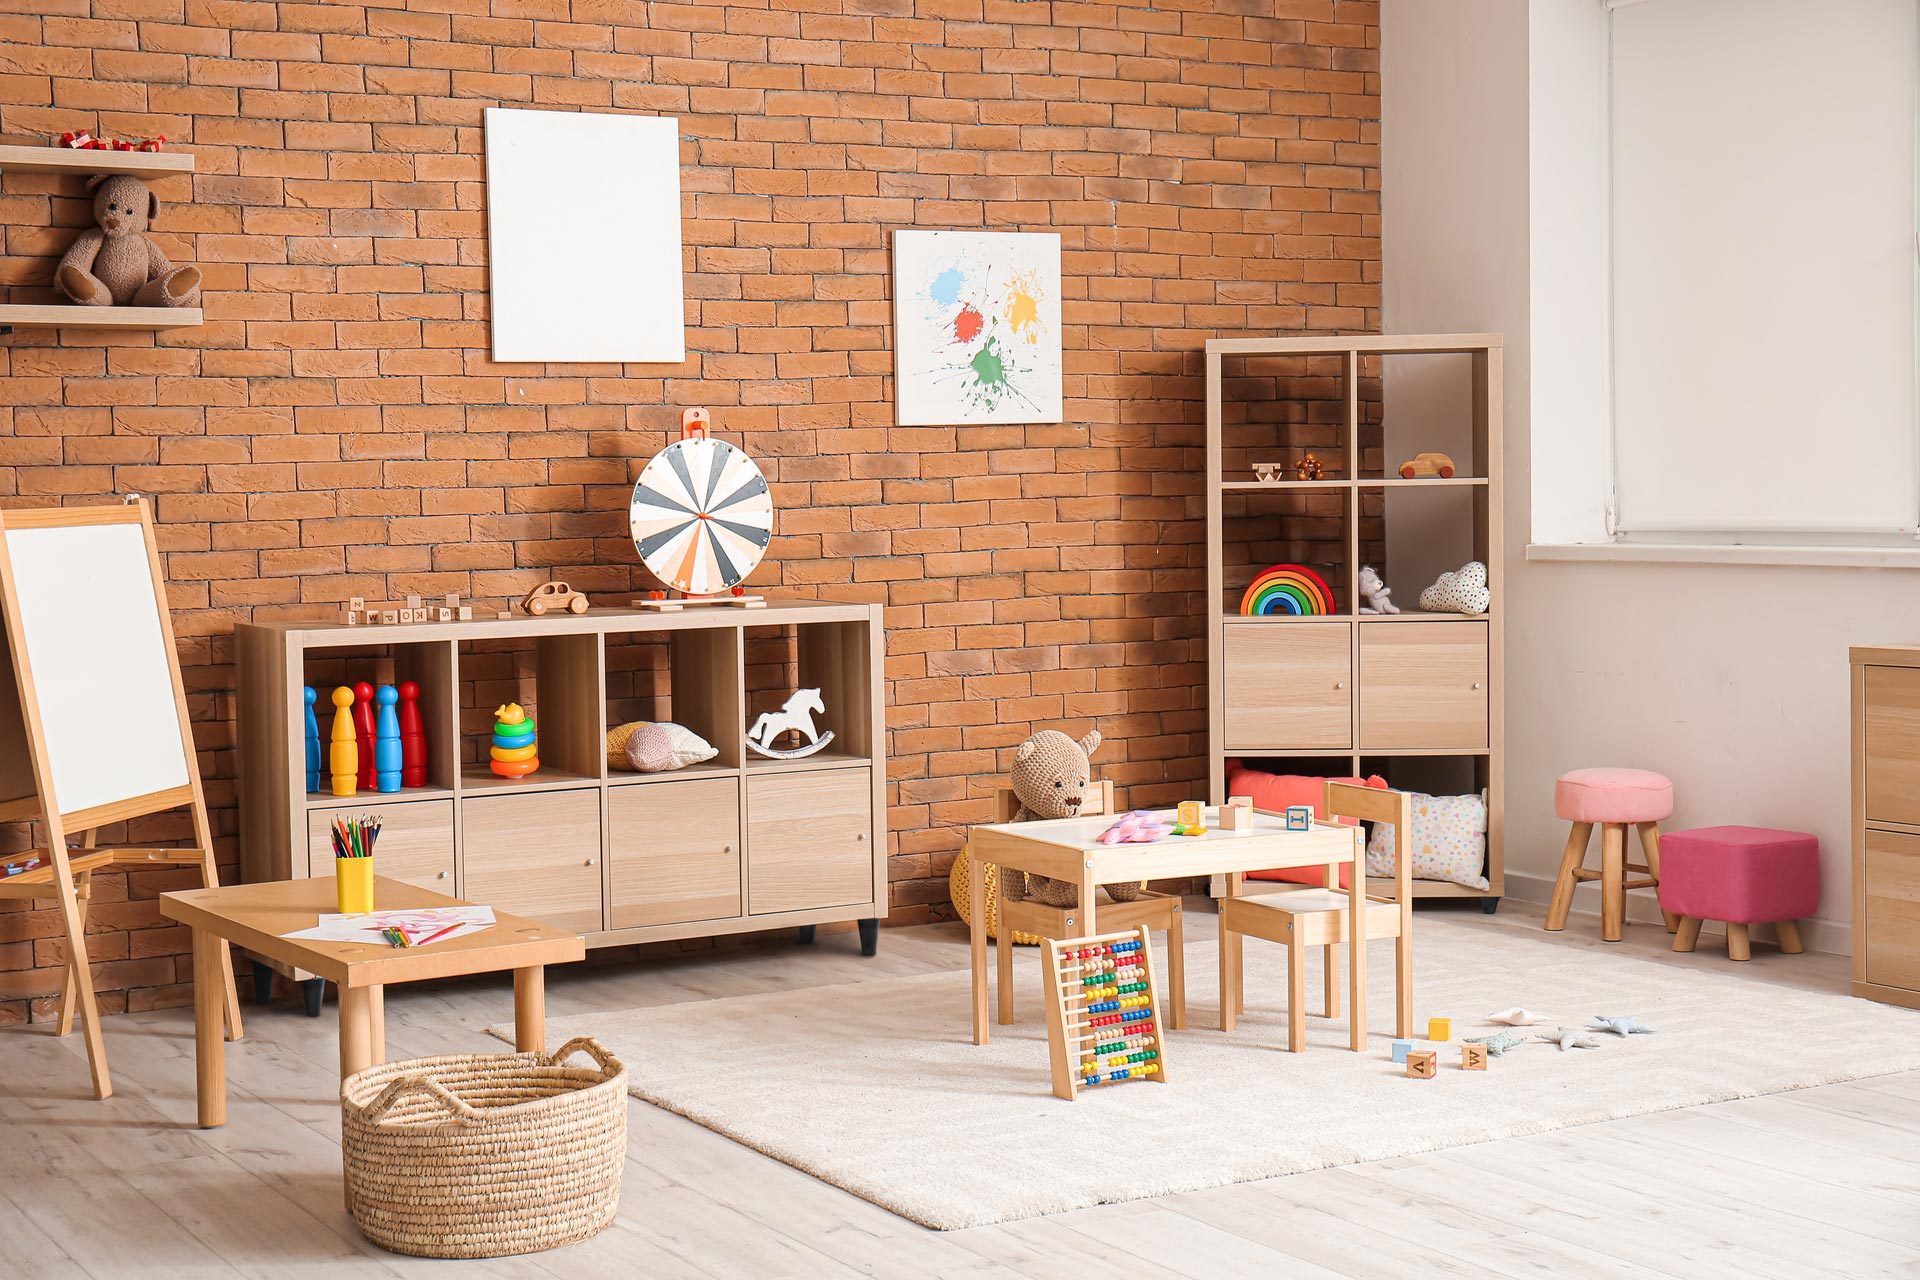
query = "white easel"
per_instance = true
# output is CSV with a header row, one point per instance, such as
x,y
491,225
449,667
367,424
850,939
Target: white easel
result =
x,y
93,720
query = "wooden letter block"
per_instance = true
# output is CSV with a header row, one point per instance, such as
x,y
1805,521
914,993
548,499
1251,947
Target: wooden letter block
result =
x,y
1299,817
1421,1064
446,614
353,618
1439,1028
1473,1057
389,616
413,603
1237,814
466,613
357,604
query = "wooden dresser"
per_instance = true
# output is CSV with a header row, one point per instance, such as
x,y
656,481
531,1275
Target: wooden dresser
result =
x,y
1886,824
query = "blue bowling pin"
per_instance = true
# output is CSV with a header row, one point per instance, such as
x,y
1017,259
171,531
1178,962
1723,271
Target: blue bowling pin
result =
x,y
313,742
386,740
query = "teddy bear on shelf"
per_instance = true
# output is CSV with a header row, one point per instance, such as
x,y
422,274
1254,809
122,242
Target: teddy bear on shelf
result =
x,y
1375,593
1051,773
113,264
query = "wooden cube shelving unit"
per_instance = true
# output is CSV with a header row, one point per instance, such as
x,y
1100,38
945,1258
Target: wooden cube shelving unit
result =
x,y
739,843
1349,687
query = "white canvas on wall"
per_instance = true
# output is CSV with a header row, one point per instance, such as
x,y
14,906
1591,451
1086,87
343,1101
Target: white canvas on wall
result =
x,y
583,236
976,327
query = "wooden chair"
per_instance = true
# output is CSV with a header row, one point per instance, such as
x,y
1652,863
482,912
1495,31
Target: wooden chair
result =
x,y
1309,917
1154,910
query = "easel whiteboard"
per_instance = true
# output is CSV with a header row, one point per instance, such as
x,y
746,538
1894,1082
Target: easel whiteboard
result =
x,y
89,612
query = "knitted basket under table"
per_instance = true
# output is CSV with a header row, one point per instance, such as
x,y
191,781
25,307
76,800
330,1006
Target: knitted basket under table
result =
x,y
959,887
480,1155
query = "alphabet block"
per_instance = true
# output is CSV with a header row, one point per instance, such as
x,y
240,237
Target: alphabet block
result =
x,y
1421,1064
1439,1028
1473,1057
1237,814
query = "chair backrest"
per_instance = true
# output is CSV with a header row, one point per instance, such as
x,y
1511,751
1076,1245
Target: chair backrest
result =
x,y
1371,804
1099,800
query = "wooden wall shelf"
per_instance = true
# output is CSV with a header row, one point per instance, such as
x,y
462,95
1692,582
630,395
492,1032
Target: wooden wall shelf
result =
x,y
142,164
1424,695
68,315
740,843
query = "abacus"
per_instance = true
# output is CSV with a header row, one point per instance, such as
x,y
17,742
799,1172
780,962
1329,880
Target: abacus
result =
x,y
1103,1011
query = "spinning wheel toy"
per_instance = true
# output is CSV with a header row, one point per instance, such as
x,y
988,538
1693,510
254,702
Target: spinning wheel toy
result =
x,y
702,517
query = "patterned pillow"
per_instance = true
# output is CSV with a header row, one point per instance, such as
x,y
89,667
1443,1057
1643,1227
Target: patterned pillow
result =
x,y
643,746
1449,840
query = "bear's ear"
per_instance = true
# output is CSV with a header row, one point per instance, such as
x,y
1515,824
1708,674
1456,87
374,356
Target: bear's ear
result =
x,y
153,207
93,183
1025,750
1091,742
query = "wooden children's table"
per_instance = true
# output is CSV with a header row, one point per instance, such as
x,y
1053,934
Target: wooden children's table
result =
x,y
1066,849
254,916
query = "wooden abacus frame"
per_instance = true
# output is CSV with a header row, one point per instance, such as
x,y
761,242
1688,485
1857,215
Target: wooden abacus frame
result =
x,y
1067,1027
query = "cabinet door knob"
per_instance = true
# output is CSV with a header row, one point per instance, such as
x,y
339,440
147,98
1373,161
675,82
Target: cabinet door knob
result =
x,y
1476,684
441,876
591,861
726,848
860,836
1339,684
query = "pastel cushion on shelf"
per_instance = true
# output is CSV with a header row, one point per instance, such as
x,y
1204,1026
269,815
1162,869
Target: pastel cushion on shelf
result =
x,y
1613,795
650,746
1742,875
1449,841
1274,792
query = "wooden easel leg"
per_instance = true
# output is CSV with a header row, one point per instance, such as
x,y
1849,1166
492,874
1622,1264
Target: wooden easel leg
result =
x,y
83,892
210,876
77,957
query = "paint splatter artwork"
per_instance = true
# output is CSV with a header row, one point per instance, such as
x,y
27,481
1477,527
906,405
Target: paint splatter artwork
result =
x,y
976,327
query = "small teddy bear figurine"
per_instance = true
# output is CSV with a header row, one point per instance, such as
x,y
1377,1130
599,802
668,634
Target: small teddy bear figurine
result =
x,y
1050,776
113,263
1374,593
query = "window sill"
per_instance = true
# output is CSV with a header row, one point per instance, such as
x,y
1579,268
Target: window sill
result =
x,y
1682,553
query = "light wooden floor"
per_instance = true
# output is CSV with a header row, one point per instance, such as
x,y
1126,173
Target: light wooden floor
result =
x,y
1823,1182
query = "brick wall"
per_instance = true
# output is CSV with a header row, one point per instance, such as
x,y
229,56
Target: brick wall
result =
x,y
337,429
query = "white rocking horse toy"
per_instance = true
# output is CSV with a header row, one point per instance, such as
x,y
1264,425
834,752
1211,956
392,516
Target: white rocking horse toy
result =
x,y
797,718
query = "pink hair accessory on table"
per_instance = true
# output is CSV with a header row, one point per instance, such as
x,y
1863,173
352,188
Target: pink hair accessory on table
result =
x,y
1141,826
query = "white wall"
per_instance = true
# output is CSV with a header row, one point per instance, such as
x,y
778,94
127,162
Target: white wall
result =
x,y
1729,679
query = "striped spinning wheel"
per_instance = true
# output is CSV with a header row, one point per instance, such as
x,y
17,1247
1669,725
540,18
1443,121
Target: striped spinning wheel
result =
x,y
701,513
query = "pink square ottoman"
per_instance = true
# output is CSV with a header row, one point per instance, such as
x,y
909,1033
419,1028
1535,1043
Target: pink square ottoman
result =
x,y
1743,876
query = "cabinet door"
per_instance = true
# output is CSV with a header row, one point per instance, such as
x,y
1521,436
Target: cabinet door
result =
x,y
809,840
1423,686
1893,909
1893,744
534,854
1287,685
673,852
415,843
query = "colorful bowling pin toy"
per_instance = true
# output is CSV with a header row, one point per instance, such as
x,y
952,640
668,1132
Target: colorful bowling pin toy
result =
x,y
386,740
313,740
343,757
413,737
363,731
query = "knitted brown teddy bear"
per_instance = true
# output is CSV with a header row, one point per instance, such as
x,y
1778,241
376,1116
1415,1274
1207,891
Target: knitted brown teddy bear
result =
x,y
1050,776
114,264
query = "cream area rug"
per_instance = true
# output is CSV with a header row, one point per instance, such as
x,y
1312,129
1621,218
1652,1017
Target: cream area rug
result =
x,y
876,1086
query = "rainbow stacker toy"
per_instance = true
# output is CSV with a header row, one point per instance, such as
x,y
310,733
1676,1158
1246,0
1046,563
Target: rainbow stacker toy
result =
x,y
515,752
1103,1011
1287,588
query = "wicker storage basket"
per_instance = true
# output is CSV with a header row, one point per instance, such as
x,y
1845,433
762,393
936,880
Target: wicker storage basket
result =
x,y
479,1155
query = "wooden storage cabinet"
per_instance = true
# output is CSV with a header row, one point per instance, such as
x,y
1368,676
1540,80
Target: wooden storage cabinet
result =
x,y
1423,687
807,837
1886,824
673,852
416,842
1289,685
738,843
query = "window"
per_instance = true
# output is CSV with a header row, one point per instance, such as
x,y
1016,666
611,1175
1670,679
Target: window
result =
x,y
1762,246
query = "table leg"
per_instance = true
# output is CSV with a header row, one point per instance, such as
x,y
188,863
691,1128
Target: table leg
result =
x,y
356,1029
1089,892
1229,958
209,1026
1357,943
977,941
376,1026
530,1009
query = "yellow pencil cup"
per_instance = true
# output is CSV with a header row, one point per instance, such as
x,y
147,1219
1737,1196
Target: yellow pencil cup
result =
x,y
353,877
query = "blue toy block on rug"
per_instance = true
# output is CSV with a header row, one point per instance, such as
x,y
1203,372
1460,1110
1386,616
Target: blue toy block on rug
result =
x,y
1401,1048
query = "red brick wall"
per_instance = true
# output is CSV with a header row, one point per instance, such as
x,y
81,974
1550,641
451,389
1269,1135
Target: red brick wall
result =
x,y
336,428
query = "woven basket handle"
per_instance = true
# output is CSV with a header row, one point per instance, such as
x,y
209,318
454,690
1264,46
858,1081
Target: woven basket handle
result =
x,y
608,1063
390,1097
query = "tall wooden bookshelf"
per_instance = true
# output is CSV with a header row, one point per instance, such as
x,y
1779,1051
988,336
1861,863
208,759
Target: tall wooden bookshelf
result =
x,y
1416,697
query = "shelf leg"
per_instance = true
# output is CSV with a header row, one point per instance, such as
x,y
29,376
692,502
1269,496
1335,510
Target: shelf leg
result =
x,y
262,982
869,937
805,935
1489,905
316,991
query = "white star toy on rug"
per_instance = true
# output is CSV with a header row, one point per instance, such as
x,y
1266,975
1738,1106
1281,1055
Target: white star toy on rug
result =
x,y
1518,1017
1498,1044
1621,1026
1569,1038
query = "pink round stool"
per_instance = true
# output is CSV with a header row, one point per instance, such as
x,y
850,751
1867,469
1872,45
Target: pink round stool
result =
x,y
1744,876
1613,800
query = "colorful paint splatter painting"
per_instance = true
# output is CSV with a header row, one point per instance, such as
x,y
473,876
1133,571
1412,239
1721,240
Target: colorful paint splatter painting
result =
x,y
976,318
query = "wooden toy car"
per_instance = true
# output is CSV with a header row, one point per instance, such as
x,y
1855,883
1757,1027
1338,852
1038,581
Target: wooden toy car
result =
x,y
554,595
1427,464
